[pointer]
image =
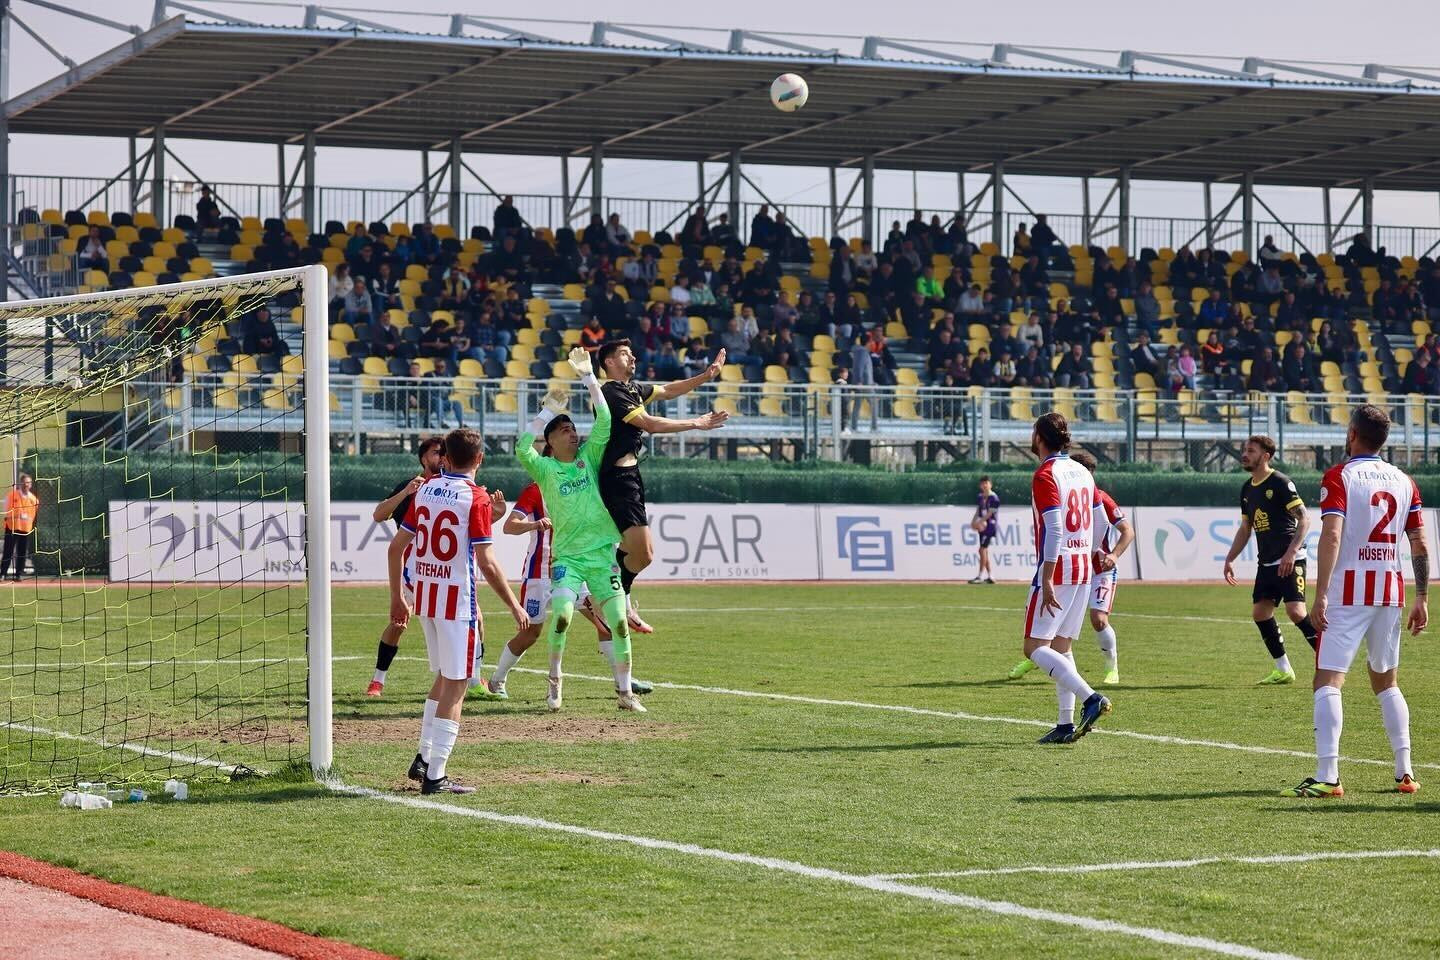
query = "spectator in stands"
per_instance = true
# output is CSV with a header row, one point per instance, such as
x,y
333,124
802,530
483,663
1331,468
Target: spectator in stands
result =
x,y
506,220
1004,288
90,252
1031,333
1186,272
358,238
696,360
1043,240
696,232
617,235
1147,309
454,289
1104,273
1299,370
676,324
1212,271
864,264
971,303
1359,252
723,234
680,292
735,342
957,239
1269,287
507,263
438,340
1005,369
1130,277
1022,242
828,317
358,306
1032,370
1288,313
1075,369
511,315
1183,370
702,299
486,335
1409,305
640,275
384,338
1269,255
749,322
807,314
1215,309
339,284
1263,374
1111,310
942,351
1251,339
207,211
384,289
1005,340
1035,280
915,230
1212,353
884,290
1143,358
956,286
261,337
442,406
785,244
842,271
724,307
646,341
930,288
758,288
1420,376
957,374
908,263
915,314
982,369
1050,330
1243,283
762,228
363,265
783,314
592,336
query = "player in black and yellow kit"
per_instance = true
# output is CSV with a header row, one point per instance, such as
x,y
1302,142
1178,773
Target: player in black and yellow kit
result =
x,y
1271,507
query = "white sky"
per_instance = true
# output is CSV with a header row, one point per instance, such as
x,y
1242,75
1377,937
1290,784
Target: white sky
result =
x,y
1316,30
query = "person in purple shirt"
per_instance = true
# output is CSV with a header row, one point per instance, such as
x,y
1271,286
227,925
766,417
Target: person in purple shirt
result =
x,y
986,523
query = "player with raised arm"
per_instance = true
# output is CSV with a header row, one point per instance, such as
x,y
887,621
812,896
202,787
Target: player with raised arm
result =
x,y
1062,495
1272,507
583,552
529,517
449,521
1366,505
621,485
393,508
986,523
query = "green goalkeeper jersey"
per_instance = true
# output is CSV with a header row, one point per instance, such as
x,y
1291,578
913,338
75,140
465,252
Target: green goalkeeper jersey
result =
x,y
572,492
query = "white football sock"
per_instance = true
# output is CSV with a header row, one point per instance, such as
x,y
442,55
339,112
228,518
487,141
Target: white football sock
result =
x,y
445,733
1282,663
425,728
1062,671
1395,712
1065,699
1106,639
607,649
1328,720
556,659
503,665
379,676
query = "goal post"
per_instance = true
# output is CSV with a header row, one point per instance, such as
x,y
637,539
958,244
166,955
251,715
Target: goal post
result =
x,y
169,595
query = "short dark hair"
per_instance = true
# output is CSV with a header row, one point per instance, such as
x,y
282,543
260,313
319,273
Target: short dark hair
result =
x,y
1264,443
985,478
1086,459
609,350
462,448
1054,431
1371,426
428,444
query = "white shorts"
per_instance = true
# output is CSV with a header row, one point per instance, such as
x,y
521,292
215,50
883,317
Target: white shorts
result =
x,y
535,598
1378,627
451,646
1102,590
1041,624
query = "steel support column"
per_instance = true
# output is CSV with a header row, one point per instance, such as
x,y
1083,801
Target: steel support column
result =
x,y
457,215
280,179
597,185
997,206
867,199
1085,227
564,190
733,178
1329,229
307,189
134,183
834,210
1122,234
1247,212
157,169
1367,210
1209,219
5,212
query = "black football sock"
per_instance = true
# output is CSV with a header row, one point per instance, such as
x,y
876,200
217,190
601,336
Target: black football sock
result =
x,y
1312,637
385,655
1270,633
627,578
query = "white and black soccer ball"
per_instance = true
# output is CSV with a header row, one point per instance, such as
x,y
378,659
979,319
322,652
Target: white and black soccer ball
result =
x,y
789,92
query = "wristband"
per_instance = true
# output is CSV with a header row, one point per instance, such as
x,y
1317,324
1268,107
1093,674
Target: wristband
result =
x,y
542,419
589,380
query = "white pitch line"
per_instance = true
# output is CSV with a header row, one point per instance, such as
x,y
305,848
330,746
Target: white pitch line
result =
x,y
133,748
1126,866
873,884
984,718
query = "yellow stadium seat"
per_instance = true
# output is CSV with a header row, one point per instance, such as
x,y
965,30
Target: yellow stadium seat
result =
x,y
342,332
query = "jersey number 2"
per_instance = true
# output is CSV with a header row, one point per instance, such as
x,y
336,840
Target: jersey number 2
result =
x,y
1380,534
1077,510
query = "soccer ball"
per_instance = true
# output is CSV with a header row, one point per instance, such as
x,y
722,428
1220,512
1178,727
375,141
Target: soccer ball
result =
x,y
789,92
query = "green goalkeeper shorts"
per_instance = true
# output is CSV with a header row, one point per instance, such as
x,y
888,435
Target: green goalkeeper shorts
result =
x,y
595,569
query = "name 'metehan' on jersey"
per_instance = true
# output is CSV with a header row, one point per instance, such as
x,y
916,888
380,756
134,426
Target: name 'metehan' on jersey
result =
x,y
1380,505
449,515
1063,488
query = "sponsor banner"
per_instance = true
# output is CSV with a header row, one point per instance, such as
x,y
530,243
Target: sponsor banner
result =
x,y
928,543
217,540
1179,543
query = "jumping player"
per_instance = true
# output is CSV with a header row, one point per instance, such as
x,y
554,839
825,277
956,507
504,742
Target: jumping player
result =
x,y
620,482
449,521
584,535
394,508
986,523
1062,497
1365,504
1271,506
528,517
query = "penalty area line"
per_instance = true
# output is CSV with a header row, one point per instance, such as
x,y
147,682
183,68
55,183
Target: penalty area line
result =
x,y
1126,866
794,868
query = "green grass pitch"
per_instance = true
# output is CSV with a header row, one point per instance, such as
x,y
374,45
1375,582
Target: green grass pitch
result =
x,y
864,730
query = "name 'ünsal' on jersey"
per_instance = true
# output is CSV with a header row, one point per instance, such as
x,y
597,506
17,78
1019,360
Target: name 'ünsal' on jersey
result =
x,y
1062,484
1380,504
449,516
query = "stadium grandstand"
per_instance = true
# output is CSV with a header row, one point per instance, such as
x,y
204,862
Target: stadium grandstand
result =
x,y
847,327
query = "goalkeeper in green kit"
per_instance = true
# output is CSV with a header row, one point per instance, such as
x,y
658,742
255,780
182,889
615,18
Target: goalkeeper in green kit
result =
x,y
583,550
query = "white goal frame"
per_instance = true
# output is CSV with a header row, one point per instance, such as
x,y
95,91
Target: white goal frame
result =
x,y
314,289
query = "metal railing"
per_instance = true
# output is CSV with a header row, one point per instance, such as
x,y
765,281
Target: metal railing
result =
x,y
821,420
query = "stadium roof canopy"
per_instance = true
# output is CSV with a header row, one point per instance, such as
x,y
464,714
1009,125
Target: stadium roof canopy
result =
x,y
546,88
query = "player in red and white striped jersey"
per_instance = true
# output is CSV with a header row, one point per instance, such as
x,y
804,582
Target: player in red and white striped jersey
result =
x,y
1062,497
1366,506
450,524
1113,534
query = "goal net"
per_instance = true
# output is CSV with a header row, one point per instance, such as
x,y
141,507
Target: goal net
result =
x,y
164,610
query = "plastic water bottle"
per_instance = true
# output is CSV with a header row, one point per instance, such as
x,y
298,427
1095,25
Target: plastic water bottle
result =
x,y
177,789
137,795
70,799
90,801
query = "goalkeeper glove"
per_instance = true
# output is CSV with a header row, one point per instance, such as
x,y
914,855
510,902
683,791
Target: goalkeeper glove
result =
x,y
581,363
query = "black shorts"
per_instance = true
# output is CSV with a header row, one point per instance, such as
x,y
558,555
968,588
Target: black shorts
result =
x,y
1269,585
987,537
623,491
